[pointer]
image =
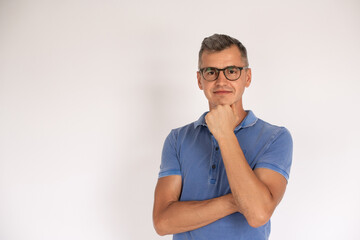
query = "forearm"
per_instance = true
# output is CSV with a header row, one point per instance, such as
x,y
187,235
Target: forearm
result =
x,y
182,216
251,196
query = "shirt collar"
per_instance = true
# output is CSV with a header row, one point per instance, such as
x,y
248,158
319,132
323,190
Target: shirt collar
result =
x,y
248,121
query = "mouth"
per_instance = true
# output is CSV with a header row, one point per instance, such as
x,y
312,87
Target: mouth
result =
x,y
222,92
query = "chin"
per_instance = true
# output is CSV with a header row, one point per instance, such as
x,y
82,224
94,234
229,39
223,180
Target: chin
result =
x,y
221,103
225,101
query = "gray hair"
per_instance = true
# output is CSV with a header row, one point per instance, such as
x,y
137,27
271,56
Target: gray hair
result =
x,y
219,42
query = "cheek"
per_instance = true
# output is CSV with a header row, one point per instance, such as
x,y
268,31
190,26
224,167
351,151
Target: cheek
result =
x,y
206,87
207,90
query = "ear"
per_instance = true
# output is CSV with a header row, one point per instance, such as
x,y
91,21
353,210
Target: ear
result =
x,y
198,75
248,77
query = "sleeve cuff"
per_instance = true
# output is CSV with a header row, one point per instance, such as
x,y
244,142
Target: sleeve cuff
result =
x,y
169,172
274,168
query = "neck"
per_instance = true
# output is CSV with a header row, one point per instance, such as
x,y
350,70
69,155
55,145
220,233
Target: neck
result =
x,y
240,111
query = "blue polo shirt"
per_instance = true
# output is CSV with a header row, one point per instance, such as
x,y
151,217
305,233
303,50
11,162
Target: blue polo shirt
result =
x,y
192,152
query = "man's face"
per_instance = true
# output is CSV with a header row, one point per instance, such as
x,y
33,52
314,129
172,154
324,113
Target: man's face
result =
x,y
222,91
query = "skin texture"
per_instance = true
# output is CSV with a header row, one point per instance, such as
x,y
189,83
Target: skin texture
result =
x,y
255,194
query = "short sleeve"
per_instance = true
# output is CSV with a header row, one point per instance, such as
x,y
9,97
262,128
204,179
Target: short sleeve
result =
x,y
169,160
278,156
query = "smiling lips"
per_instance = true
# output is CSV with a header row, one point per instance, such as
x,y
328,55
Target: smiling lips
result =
x,y
222,91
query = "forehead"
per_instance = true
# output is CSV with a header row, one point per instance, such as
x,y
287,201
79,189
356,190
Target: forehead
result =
x,y
228,57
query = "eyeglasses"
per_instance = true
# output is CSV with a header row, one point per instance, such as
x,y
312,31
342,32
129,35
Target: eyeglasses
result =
x,y
232,73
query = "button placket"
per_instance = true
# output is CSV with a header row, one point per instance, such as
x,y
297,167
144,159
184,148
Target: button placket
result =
x,y
214,161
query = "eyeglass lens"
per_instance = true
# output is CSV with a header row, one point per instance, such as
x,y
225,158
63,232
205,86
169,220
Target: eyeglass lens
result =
x,y
211,74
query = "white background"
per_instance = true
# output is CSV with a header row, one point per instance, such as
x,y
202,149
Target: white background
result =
x,y
90,89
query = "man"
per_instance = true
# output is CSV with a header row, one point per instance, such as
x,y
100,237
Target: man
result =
x,y
222,176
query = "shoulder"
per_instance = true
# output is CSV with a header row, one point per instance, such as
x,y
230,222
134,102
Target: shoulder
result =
x,y
189,129
188,134
265,136
271,130
184,129
277,141
183,133
276,150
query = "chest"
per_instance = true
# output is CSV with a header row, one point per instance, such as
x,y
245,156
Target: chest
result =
x,y
202,168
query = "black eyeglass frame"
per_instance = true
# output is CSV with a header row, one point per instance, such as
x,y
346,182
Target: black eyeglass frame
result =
x,y
221,70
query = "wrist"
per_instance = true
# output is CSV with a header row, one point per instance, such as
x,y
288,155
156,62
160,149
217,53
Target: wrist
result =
x,y
224,136
230,202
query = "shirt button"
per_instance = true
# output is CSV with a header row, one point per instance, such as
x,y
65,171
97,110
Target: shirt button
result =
x,y
217,148
213,166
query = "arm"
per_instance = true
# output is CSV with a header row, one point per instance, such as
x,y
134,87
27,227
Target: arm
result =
x,y
256,193
172,216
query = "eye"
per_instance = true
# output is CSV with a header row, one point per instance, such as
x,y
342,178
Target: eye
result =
x,y
209,71
232,70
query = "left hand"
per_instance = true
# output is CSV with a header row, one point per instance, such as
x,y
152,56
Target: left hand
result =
x,y
222,120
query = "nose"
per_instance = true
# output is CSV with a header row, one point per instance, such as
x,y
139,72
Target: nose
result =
x,y
221,80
